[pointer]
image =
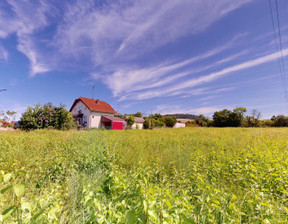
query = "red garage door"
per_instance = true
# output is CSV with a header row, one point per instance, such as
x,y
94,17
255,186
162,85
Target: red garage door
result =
x,y
117,126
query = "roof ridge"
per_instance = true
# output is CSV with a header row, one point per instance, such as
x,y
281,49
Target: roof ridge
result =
x,y
95,105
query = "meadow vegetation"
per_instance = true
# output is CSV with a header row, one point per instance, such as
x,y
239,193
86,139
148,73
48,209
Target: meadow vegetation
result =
x,y
189,175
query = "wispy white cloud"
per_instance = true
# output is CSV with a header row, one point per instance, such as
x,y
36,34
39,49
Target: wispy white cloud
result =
x,y
172,90
91,34
122,30
27,48
177,109
25,19
3,54
211,97
128,80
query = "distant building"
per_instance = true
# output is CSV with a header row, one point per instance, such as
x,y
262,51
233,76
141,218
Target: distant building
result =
x,y
181,123
114,123
138,123
93,113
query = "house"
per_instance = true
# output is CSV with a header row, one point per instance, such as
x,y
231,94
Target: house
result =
x,y
138,123
93,113
114,123
181,123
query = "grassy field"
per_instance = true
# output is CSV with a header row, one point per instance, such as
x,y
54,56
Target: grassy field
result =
x,y
191,175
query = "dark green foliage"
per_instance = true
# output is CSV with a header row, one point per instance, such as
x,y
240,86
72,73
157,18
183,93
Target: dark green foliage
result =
x,y
130,121
227,118
221,118
149,123
202,121
280,121
157,120
138,114
156,116
267,123
120,116
47,116
159,123
182,116
170,121
253,120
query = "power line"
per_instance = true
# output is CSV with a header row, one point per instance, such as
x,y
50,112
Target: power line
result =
x,y
281,48
279,57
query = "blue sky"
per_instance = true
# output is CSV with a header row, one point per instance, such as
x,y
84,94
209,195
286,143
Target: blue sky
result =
x,y
165,56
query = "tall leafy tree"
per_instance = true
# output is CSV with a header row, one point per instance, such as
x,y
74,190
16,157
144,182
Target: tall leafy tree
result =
x,y
221,118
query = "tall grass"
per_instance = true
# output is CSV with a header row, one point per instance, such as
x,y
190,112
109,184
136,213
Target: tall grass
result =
x,y
197,175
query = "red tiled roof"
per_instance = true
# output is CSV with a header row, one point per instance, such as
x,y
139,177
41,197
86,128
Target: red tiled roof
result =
x,y
95,105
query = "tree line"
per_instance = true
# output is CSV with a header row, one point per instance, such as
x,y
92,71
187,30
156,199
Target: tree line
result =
x,y
49,116
238,118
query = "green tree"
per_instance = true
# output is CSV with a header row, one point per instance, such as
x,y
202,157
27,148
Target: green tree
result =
x,y
227,118
130,120
138,114
158,123
202,121
253,120
156,116
170,121
280,121
237,116
11,114
39,117
221,118
149,123
240,110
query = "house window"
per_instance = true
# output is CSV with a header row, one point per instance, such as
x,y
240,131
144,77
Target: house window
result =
x,y
80,109
85,121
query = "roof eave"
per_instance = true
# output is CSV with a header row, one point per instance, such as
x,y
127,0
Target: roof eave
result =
x,y
103,112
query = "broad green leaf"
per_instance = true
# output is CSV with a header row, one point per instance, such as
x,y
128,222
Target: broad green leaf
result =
x,y
168,203
8,210
7,213
19,189
37,215
5,189
21,171
131,218
7,177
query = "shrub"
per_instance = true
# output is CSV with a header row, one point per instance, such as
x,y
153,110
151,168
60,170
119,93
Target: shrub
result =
x,y
5,124
47,116
170,121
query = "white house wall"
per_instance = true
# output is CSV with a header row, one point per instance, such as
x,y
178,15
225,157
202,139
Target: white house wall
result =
x,y
180,125
93,118
84,109
135,125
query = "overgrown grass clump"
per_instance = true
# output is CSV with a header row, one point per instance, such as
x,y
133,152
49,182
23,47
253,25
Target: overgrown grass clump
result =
x,y
190,175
